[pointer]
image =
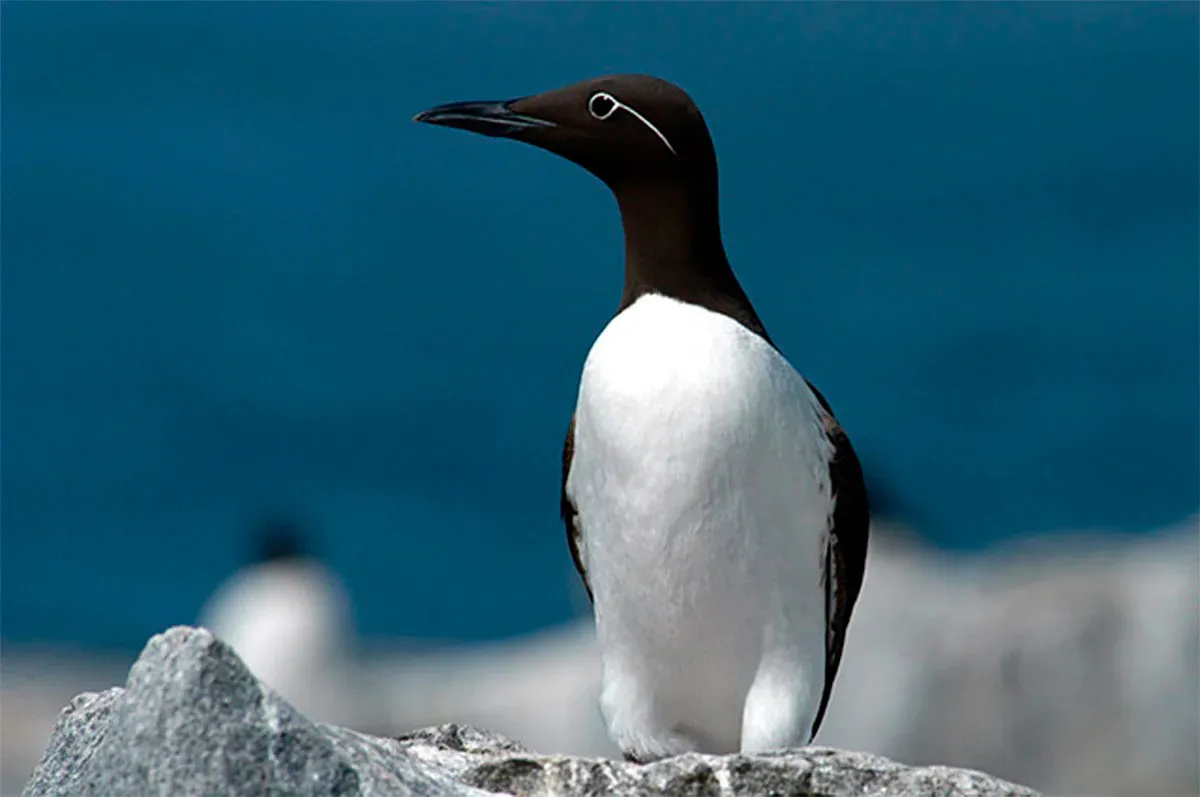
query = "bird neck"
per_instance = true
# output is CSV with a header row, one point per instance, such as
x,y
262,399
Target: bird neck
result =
x,y
673,247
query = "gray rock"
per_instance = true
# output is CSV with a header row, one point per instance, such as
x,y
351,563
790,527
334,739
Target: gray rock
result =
x,y
493,763
192,720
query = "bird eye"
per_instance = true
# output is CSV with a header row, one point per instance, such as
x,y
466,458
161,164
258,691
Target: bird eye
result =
x,y
601,105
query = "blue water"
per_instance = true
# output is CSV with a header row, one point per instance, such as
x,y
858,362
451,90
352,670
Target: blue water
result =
x,y
237,279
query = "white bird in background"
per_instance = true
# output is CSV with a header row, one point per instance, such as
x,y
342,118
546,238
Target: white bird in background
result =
x,y
288,618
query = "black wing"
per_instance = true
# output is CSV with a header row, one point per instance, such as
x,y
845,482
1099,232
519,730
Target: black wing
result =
x,y
845,551
570,515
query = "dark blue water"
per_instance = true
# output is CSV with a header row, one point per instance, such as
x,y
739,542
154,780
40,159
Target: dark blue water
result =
x,y
237,279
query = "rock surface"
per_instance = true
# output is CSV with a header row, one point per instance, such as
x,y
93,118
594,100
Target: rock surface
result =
x,y
192,720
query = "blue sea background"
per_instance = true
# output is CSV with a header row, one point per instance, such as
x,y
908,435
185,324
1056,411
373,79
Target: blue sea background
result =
x,y
238,280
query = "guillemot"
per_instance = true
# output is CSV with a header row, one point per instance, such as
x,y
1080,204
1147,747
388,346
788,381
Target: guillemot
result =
x,y
288,617
714,506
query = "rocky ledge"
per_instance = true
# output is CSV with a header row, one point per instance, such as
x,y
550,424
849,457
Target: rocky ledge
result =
x,y
192,720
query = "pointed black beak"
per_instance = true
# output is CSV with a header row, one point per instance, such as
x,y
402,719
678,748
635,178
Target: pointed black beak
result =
x,y
488,118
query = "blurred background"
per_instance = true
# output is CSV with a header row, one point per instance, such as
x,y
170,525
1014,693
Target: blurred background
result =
x,y
279,361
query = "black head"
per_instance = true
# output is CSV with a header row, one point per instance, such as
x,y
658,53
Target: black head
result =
x,y
278,539
618,127
646,139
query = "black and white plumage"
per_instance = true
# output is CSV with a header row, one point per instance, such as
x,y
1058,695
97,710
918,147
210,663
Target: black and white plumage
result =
x,y
714,507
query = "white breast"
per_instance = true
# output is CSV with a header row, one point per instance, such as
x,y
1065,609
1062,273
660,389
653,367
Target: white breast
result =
x,y
701,478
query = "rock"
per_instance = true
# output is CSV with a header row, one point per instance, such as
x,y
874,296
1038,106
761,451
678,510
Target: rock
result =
x,y
1086,673
192,720
493,763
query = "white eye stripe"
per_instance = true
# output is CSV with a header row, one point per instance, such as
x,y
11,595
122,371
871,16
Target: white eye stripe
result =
x,y
612,108
605,97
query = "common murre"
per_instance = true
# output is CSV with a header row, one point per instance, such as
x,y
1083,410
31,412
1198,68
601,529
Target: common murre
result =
x,y
714,507
288,617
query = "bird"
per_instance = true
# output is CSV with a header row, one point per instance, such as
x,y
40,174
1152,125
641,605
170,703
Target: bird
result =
x,y
713,504
288,617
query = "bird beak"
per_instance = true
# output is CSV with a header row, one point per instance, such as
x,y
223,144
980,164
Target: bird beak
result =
x,y
487,118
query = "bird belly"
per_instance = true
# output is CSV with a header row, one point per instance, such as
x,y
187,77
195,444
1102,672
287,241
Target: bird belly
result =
x,y
697,476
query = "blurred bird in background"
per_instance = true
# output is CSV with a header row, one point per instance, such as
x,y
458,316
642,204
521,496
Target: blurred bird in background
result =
x,y
288,617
